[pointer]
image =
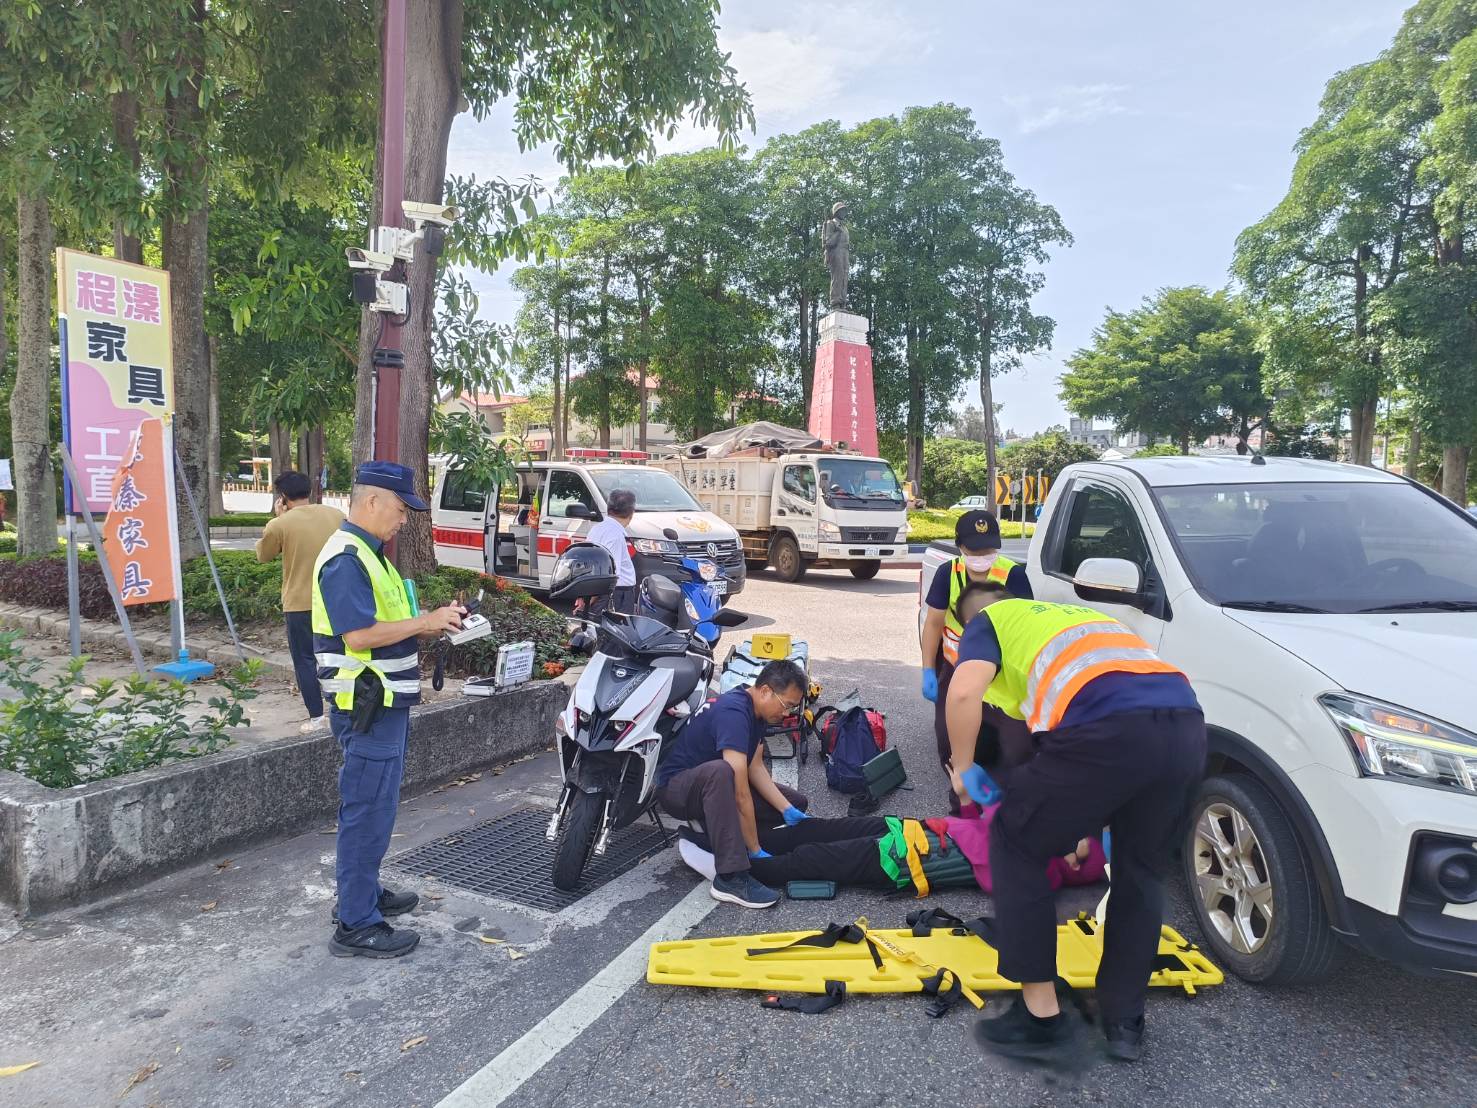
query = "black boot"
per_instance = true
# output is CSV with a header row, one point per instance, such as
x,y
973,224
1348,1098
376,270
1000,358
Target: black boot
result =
x,y
378,940
1018,1034
391,903
1125,1039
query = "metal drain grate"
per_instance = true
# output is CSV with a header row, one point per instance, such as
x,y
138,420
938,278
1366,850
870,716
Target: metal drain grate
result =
x,y
509,858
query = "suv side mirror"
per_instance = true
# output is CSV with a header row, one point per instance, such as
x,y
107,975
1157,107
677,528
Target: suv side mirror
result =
x,y
1109,580
578,511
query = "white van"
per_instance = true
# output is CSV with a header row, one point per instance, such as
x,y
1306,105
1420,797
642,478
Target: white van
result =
x,y
520,531
1327,617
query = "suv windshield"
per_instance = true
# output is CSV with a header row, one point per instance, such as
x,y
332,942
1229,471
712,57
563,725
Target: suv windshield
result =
x,y
857,483
1316,547
655,491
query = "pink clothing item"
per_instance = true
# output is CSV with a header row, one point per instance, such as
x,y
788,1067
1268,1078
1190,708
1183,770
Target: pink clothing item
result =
x,y
970,831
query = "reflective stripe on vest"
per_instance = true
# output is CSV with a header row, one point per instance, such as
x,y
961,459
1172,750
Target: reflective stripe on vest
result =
x,y
397,664
1049,653
959,577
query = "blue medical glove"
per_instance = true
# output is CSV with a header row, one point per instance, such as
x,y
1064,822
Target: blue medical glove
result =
x,y
760,853
930,685
794,815
980,785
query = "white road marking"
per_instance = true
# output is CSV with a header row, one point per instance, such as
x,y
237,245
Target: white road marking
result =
x,y
506,1074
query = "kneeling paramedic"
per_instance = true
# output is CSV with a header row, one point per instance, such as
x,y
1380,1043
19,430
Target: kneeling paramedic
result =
x,y
716,773
977,535
1120,742
365,627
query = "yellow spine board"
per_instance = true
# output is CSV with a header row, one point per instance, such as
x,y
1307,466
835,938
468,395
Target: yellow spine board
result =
x,y
725,963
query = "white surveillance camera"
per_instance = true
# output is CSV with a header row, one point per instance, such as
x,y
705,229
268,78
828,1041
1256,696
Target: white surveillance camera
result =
x,y
442,215
360,258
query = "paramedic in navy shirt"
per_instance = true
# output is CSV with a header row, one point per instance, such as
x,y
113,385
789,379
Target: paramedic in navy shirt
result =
x,y
1120,743
716,773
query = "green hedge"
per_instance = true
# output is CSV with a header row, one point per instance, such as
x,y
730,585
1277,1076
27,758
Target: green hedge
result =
x,y
933,524
242,519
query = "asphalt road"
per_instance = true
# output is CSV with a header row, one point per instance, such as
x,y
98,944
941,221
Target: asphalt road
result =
x,y
218,979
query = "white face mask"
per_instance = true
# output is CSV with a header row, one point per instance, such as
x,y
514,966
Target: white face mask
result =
x,y
979,563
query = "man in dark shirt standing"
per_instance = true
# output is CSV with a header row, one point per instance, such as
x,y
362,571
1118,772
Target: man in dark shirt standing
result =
x,y
716,774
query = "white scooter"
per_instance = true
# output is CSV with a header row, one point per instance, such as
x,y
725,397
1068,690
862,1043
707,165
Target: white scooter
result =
x,y
644,681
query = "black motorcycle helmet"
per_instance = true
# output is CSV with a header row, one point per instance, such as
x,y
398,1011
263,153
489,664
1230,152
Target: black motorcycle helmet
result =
x,y
582,571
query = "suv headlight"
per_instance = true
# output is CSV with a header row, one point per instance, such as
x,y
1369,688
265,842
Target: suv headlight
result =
x,y
1403,745
830,533
654,546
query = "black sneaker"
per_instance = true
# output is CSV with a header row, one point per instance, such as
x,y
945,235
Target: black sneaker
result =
x,y
742,889
378,940
391,903
1125,1039
1018,1034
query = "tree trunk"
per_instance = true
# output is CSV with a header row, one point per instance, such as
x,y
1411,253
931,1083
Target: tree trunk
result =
x,y
1362,407
217,494
1454,463
915,411
302,453
184,238
564,415
30,399
987,402
315,464
807,372
643,368
1413,452
1185,441
433,89
279,446
126,247
556,412
604,367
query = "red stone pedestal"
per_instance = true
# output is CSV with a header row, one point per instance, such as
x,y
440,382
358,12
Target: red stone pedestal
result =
x,y
842,407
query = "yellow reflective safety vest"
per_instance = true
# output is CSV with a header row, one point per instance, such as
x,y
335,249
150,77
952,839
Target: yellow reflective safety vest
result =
x,y
1049,652
953,629
397,664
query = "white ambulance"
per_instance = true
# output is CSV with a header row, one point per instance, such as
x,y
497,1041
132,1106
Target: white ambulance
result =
x,y
518,532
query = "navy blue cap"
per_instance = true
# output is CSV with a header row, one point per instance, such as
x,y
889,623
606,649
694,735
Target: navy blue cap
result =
x,y
393,476
977,531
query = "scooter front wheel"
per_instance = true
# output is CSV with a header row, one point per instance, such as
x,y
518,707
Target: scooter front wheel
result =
x,y
577,838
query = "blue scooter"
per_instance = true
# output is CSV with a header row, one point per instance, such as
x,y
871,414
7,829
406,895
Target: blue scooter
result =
x,y
700,601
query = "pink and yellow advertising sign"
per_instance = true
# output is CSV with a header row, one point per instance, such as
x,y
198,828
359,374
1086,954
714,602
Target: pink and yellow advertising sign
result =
x,y
117,364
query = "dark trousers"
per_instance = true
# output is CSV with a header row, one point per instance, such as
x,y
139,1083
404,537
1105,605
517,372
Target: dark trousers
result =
x,y
369,794
1004,742
622,599
706,793
1134,774
304,668
840,850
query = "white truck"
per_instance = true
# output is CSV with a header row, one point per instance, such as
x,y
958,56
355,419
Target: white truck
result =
x,y
1327,617
803,508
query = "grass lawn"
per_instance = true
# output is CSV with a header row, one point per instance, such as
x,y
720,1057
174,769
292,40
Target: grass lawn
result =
x,y
932,524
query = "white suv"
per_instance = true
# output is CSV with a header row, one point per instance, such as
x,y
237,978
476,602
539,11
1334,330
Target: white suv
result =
x,y
1327,616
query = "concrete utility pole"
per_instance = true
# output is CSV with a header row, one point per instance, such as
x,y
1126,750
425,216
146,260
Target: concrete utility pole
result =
x,y
389,360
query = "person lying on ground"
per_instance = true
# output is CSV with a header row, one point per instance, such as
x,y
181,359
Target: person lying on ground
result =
x,y
888,852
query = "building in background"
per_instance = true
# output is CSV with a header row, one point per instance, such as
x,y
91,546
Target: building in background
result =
x,y
1104,435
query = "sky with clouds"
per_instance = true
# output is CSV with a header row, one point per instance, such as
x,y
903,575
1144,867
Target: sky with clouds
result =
x,y
1158,129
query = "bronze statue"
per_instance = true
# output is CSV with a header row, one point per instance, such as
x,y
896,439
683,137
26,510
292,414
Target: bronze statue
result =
x,y
838,253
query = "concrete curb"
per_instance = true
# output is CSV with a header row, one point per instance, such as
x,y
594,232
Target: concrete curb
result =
x,y
152,644
62,846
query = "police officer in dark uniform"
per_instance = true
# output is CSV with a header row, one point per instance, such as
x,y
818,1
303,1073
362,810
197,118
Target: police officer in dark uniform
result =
x,y
1120,742
977,536
366,628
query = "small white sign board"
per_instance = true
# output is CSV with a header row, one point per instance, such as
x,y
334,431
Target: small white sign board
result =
x,y
514,664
